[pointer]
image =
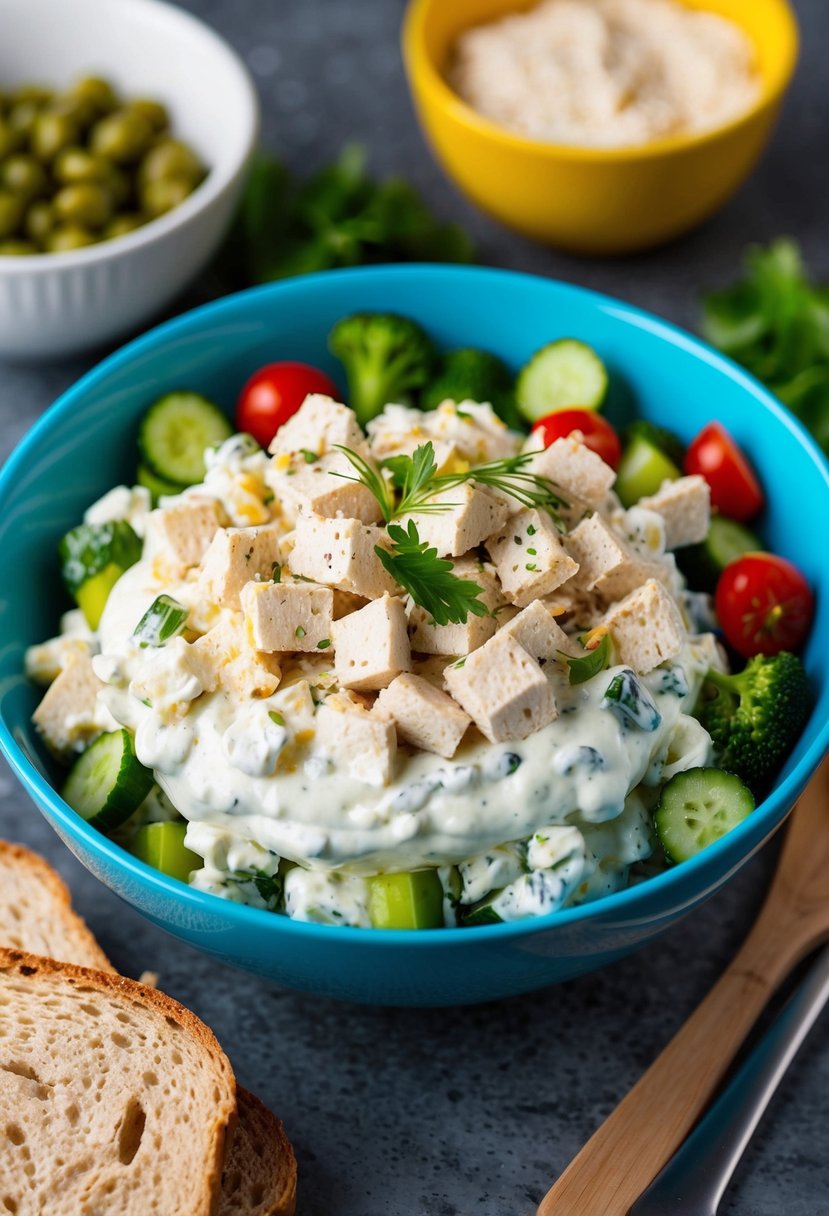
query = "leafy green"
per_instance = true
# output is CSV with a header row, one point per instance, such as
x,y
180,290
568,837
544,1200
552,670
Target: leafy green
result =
x,y
428,578
338,217
417,482
585,666
775,322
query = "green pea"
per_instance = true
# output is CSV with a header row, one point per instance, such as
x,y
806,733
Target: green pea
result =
x,y
16,249
10,140
37,94
122,224
170,158
96,92
39,222
22,117
163,195
51,133
122,137
23,175
154,112
67,237
11,212
86,203
75,164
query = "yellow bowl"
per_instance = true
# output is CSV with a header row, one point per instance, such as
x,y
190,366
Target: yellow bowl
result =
x,y
593,200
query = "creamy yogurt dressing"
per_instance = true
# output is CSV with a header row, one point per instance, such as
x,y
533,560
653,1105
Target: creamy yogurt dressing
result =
x,y
268,781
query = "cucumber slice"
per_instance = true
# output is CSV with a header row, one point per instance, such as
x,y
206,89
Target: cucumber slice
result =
x,y
174,433
727,540
406,901
93,557
158,487
108,782
562,375
481,913
161,845
697,808
642,470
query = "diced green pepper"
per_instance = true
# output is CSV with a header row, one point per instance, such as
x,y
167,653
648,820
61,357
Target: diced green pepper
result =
x,y
406,901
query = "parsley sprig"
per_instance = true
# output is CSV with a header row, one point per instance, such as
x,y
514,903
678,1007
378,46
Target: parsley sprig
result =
x,y
429,579
414,482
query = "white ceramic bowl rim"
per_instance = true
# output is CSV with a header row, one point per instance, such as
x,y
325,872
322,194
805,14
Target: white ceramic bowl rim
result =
x,y
216,181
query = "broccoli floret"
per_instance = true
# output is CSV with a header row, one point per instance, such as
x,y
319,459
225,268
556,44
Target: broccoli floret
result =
x,y
473,375
756,717
386,358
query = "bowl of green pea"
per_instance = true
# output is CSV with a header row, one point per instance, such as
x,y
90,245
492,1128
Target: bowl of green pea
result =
x,y
126,131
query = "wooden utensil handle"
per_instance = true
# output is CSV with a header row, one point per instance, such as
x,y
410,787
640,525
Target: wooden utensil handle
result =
x,y
644,1131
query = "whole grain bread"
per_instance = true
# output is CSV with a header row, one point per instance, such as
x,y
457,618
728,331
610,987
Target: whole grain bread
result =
x,y
36,913
260,1174
113,1097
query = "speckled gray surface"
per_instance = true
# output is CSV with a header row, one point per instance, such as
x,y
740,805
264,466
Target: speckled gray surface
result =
x,y
406,1113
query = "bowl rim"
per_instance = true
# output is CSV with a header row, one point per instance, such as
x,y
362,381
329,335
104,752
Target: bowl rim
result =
x,y
625,904
212,187
424,74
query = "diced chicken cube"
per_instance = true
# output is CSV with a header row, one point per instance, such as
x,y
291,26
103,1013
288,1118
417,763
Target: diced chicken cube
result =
x,y
320,425
429,638
424,716
432,669
646,627
685,506
68,717
576,470
470,515
178,536
365,740
372,645
503,690
340,552
223,658
529,557
607,563
323,486
288,616
235,557
536,629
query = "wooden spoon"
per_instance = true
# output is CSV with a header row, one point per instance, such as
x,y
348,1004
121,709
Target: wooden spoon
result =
x,y
623,1157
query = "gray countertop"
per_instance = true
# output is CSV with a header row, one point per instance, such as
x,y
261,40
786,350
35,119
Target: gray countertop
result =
x,y
449,1113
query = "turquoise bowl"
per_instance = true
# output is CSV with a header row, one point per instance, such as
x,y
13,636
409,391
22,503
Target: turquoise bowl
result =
x,y
86,443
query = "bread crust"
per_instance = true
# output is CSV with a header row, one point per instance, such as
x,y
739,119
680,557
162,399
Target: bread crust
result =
x,y
16,856
256,1121
29,966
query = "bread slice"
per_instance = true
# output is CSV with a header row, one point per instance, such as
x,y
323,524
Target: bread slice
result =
x,y
36,916
36,912
113,1097
260,1173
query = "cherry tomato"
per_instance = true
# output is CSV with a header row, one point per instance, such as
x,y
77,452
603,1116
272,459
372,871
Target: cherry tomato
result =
x,y
598,434
276,392
735,490
764,604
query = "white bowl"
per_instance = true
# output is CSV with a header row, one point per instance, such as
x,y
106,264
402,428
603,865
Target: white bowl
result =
x,y
57,303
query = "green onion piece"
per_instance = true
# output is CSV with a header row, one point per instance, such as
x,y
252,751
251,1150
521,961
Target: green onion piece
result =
x,y
164,619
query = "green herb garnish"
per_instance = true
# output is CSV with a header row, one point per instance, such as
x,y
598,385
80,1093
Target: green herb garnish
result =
x,y
428,578
590,663
415,482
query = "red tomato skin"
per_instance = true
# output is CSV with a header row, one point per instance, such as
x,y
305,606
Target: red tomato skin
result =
x,y
274,393
598,434
735,490
764,604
